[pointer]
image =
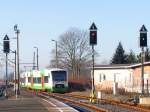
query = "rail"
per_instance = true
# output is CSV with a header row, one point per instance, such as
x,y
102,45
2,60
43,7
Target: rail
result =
x,y
65,98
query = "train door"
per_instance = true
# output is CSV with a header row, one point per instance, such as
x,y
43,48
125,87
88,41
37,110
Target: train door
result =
x,y
32,80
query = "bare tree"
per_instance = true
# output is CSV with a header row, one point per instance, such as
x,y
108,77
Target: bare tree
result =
x,y
53,60
74,51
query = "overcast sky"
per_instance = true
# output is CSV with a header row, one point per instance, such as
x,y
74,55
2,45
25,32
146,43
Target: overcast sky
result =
x,y
40,21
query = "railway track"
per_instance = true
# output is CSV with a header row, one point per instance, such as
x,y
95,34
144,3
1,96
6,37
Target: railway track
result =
x,y
114,102
70,101
102,105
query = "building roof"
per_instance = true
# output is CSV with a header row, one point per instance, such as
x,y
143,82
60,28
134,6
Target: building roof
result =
x,y
120,66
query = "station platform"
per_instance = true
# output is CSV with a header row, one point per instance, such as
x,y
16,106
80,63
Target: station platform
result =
x,y
28,102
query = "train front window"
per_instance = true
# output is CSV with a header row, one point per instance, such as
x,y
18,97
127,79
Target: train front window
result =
x,y
59,75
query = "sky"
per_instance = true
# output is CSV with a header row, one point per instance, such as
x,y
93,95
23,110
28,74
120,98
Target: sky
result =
x,y
40,21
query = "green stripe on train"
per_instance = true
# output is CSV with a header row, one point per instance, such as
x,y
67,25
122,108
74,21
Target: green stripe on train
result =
x,y
48,89
61,90
37,87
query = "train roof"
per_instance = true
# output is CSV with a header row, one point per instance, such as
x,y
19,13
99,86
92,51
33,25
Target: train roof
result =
x,y
56,69
50,69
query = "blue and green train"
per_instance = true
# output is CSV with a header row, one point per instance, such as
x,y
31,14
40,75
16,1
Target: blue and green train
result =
x,y
52,80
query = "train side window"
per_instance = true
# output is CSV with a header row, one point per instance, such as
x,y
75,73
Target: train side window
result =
x,y
39,80
45,79
34,80
29,79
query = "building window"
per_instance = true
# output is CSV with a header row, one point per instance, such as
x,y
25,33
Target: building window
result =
x,y
104,77
100,77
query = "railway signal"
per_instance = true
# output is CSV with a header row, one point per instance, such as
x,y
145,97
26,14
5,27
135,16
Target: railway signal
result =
x,y
6,50
143,36
6,44
143,43
93,34
93,41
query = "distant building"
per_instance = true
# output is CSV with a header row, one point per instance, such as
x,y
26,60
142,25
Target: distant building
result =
x,y
127,76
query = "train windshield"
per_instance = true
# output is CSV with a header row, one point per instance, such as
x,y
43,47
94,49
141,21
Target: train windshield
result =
x,y
59,75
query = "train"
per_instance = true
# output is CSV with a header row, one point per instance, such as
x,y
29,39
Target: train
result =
x,y
50,80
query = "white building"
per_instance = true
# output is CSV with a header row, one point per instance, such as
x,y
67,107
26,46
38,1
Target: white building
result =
x,y
127,76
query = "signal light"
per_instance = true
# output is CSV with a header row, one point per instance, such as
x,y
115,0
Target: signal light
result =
x,y
93,37
143,40
93,34
143,36
6,48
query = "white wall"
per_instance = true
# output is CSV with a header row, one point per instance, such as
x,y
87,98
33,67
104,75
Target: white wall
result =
x,y
123,76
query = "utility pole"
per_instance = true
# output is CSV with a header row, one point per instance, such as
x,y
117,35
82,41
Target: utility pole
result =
x,y
17,31
56,54
37,57
33,60
15,75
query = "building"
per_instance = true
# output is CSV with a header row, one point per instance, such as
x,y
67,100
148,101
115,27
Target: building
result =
x,y
126,76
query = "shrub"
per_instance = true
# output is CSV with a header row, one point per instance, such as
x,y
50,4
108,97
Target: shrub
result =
x,y
80,84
